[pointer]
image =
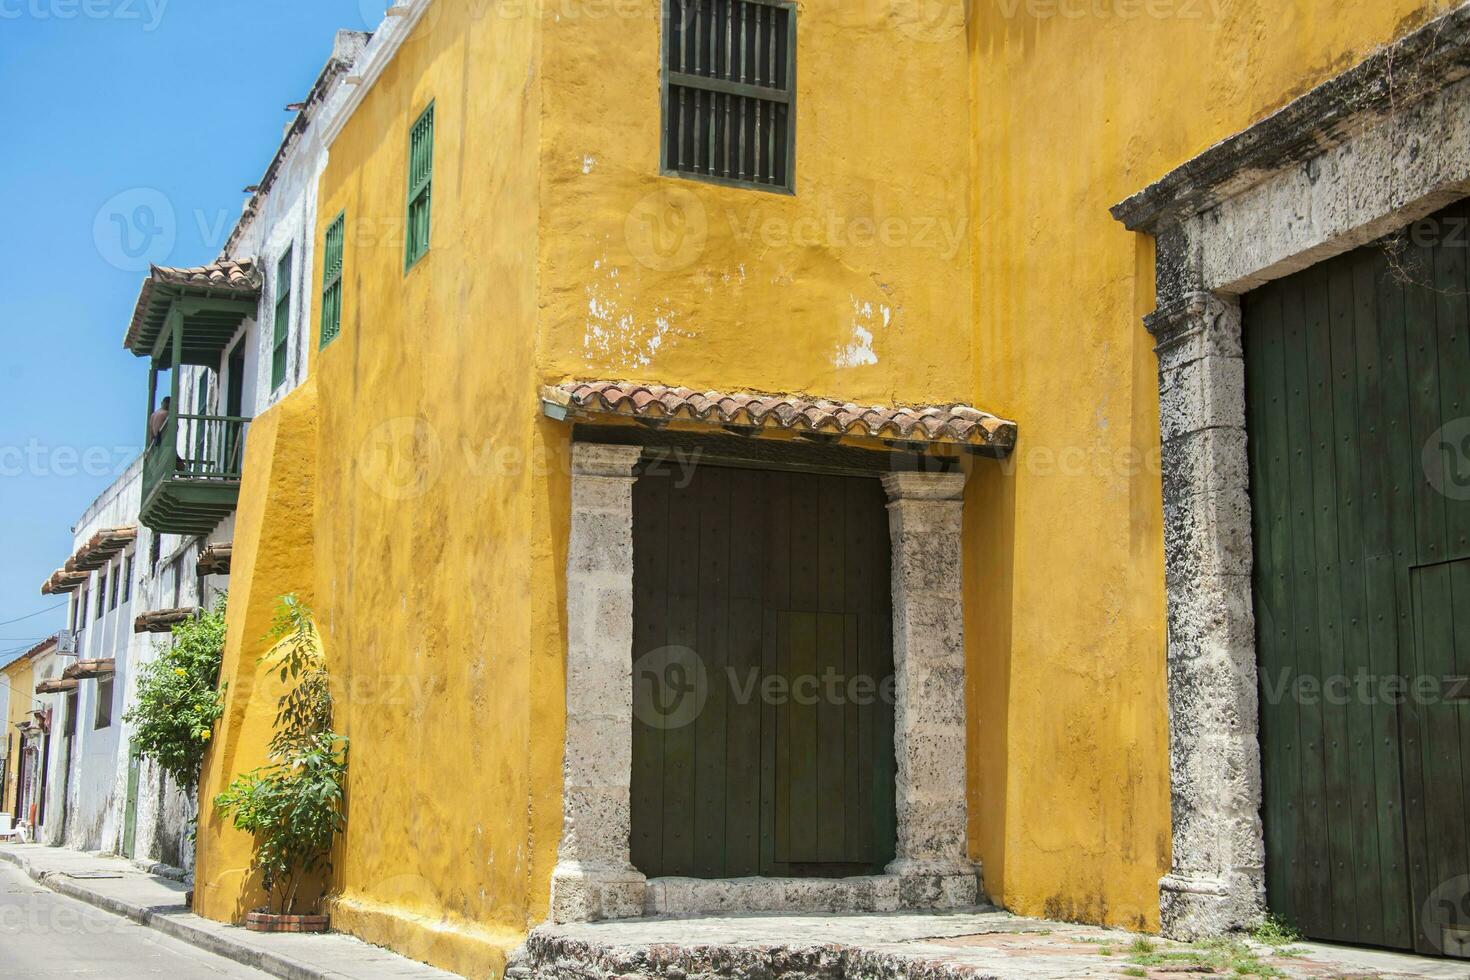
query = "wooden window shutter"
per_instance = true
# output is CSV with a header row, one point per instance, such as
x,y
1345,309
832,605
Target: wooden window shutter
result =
x,y
729,90
420,186
282,333
332,279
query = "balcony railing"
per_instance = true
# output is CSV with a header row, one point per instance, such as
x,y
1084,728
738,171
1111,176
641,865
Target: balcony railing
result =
x,y
191,476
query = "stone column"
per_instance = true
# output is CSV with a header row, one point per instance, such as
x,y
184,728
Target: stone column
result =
x,y
925,522
594,876
1217,881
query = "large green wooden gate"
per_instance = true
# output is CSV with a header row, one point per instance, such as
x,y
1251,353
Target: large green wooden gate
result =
x,y
1358,403
763,671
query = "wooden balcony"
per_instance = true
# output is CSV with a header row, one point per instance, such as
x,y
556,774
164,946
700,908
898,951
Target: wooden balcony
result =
x,y
191,475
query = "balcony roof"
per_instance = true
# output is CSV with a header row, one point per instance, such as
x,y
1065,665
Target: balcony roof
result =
x,y
215,299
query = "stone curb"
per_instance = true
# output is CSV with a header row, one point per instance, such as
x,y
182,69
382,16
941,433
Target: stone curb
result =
x,y
163,918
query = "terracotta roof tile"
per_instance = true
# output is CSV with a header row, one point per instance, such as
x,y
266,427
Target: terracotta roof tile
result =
x,y
960,425
227,277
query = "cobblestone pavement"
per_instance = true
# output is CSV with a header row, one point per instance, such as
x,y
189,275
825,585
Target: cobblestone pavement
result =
x,y
947,946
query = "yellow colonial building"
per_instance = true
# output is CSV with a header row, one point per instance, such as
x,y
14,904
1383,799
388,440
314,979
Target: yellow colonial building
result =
x,y
802,456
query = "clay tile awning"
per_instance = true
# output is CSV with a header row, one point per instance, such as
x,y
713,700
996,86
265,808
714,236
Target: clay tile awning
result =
x,y
223,281
953,425
62,581
100,548
162,620
59,685
215,559
84,669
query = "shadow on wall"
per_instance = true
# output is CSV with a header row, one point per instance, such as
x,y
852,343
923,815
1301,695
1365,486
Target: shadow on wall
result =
x,y
990,532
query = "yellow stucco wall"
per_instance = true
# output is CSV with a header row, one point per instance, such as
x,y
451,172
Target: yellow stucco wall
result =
x,y
272,556
1071,114
425,557
20,687
949,241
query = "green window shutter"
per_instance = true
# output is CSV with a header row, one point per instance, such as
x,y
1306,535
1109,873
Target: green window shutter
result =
x,y
729,92
420,184
281,341
332,280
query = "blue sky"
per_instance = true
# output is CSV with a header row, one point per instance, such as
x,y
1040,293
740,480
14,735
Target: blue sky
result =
x,y
116,113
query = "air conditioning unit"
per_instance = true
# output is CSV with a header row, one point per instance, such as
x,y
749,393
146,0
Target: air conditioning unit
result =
x,y
66,642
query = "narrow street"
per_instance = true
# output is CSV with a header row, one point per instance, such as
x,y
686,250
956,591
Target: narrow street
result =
x,y
43,934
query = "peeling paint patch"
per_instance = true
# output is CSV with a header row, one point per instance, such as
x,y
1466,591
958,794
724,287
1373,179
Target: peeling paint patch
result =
x,y
858,351
588,163
614,336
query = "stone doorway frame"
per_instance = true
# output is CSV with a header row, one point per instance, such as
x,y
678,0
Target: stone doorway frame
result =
x,y
594,877
1366,153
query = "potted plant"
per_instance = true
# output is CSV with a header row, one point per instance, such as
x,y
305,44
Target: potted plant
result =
x,y
292,806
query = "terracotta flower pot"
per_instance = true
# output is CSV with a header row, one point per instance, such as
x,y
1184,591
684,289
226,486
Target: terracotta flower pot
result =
x,y
263,921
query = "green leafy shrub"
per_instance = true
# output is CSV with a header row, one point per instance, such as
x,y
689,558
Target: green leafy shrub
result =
x,y
292,806
179,697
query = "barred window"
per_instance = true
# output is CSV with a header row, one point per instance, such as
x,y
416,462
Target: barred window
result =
x,y
729,91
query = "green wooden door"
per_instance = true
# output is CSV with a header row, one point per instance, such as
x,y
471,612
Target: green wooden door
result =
x,y
130,806
1358,405
763,672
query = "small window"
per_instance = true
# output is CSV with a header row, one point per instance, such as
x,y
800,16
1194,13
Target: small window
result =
x,y
420,184
103,717
82,609
332,280
71,714
116,575
729,73
101,594
282,334
127,584
155,549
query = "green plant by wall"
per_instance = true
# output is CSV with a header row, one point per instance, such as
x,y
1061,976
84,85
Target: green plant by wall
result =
x,y
179,697
292,806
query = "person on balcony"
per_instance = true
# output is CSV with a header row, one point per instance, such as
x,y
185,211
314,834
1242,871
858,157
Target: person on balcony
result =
x,y
157,421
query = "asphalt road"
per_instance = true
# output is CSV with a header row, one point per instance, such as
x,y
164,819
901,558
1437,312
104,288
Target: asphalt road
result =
x,y
43,934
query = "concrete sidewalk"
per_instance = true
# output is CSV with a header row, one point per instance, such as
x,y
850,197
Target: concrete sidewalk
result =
x,y
116,885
